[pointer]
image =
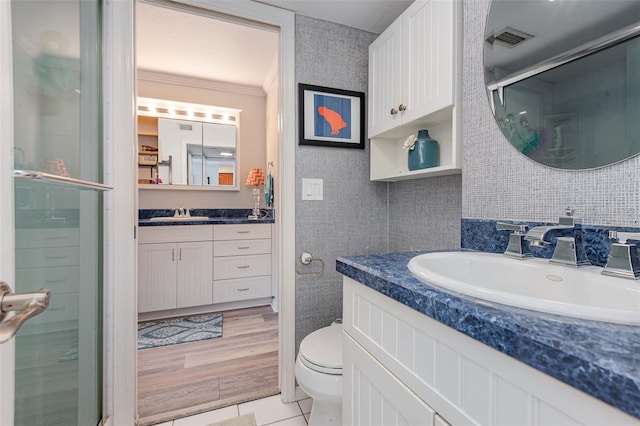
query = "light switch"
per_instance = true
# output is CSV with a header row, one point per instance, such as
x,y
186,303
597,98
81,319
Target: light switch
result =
x,y
312,189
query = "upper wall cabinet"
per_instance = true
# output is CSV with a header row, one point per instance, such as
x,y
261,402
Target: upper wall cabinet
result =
x,y
414,84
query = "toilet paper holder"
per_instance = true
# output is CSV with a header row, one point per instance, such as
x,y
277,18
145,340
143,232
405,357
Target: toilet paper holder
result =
x,y
306,258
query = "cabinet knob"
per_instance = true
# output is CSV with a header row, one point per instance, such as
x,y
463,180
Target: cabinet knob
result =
x,y
393,111
402,108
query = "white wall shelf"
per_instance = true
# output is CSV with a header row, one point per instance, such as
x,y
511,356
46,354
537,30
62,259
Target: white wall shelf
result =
x,y
421,86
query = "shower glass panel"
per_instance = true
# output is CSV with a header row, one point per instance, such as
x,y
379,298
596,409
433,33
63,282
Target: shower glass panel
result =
x,y
58,228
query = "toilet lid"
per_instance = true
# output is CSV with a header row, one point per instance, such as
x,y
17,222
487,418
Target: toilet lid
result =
x,y
322,349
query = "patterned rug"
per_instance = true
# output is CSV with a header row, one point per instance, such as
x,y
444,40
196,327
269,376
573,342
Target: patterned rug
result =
x,y
152,334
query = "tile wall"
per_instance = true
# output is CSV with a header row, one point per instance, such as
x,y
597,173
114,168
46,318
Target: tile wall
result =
x,y
500,183
352,218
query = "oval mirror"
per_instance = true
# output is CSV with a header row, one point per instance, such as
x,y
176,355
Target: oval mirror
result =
x,y
563,79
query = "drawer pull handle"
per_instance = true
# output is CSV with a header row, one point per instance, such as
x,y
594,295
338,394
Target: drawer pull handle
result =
x,y
244,267
55,257
243,232
62,308
243,247
55,281
62,237
243,289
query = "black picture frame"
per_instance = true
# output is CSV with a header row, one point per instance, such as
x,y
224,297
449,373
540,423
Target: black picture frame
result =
x,y
331,117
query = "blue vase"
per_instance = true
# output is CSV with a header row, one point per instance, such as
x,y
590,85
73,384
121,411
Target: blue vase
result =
x,y
425,152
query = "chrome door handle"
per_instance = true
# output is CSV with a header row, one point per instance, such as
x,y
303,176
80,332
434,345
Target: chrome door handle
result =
x,y
28,305
393,112
402,108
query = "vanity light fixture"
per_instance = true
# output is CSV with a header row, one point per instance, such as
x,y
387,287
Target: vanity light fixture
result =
x,y
181,110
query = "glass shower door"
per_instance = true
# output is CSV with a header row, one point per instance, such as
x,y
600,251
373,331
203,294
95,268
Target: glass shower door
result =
x,y
57,149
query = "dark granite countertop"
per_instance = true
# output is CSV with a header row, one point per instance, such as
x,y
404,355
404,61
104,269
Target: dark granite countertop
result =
x,y
216,217
211,221
598,358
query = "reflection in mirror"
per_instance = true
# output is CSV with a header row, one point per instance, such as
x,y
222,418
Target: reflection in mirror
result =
x,y
563,81
187,145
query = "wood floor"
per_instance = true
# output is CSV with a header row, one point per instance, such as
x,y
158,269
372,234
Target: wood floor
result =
x,y
242,365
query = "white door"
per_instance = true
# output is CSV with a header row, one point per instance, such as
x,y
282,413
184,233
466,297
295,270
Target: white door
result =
x,y
51,209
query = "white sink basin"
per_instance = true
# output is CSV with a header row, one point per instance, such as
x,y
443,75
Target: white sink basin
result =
x,y
177,219
533,284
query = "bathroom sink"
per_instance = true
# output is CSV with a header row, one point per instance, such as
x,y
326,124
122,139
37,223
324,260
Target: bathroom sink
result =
x,y
533,284
178,219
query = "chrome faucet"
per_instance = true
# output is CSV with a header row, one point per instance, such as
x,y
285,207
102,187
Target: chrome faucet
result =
x,y
623,258
569,250
182,212
516,247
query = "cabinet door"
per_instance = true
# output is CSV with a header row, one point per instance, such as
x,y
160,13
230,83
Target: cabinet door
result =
x,y
428,47
156,277
374,396
385,79
195,274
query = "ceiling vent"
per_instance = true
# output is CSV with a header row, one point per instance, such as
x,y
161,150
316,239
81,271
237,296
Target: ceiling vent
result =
x,y
509,37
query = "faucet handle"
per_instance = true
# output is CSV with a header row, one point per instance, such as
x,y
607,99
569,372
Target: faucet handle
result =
x,y
516,228
516,247
622,237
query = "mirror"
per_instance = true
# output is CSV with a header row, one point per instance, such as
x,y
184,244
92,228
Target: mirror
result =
x,y
187,145
563,79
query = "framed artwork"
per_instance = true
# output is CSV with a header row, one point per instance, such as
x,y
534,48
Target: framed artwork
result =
x,y
331,117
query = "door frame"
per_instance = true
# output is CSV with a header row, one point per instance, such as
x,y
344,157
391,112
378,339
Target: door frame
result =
x,y
120,360
120,215
7,273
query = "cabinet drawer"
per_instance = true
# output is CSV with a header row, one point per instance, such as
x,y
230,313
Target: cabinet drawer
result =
x,y
241,266
241,289
62,307
46,257
53,237
241,247
242,232
61,279
174,234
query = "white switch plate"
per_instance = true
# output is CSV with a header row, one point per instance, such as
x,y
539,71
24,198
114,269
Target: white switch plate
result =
x,y
312,189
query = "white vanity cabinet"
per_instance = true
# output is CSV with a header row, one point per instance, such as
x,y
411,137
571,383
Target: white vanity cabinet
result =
x,y
445,376
414,84
188,269
174,267
374,396
241,262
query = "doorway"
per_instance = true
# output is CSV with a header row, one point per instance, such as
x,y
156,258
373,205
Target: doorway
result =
x,y
271,155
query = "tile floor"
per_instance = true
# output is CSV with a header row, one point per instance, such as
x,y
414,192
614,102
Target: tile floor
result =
x,y
268,411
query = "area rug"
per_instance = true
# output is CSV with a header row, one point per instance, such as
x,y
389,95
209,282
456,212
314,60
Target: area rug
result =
x,y
245,420
172,331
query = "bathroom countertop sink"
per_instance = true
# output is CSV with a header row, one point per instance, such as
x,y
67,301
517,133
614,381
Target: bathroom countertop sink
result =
x,y
599,358
178,219
533,284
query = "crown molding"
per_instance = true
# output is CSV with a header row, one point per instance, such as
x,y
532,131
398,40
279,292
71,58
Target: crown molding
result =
x,y
198,83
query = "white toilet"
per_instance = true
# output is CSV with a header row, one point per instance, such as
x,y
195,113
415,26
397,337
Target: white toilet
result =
x,y
319,373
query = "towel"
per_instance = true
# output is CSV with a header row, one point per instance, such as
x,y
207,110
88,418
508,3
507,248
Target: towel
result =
x,y
268,190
